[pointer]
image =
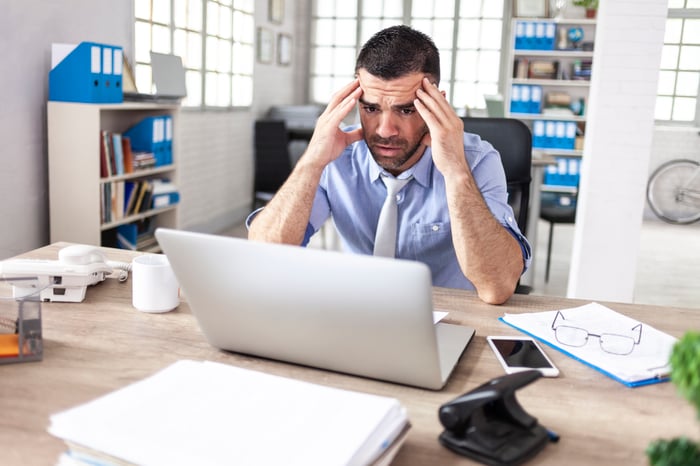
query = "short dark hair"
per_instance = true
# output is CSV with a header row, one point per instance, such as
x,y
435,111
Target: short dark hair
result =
x,y
397,51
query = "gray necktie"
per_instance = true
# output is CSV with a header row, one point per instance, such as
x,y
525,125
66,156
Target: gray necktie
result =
x,y
385,240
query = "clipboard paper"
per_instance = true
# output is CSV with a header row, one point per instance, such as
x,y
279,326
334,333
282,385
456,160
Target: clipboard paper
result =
x,y
647,363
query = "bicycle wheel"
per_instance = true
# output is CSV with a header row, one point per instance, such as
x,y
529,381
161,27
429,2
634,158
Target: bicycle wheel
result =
x,y
671,193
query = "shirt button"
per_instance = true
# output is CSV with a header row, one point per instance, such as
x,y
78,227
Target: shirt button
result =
x,y
510,219
436,227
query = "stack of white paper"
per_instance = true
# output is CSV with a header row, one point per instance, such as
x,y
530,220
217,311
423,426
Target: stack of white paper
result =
x,y
210,413
647,363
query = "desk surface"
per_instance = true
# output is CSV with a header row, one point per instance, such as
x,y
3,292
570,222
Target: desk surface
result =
x,y
102,344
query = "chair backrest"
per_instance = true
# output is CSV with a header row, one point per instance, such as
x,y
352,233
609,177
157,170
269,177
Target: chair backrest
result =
x,y
513,140
272,159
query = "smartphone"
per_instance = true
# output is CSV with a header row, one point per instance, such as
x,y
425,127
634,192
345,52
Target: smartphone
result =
x,y
517,354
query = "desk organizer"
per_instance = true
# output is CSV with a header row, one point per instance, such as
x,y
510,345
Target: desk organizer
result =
x,y
20,331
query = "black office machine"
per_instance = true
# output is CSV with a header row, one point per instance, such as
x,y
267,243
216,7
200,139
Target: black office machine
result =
x,y
488,424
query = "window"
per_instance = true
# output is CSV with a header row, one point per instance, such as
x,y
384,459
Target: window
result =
x,y
467,33
679,76
215,39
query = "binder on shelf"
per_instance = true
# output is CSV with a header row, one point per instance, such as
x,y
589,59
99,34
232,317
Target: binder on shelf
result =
x,y
540,28
535,99
550,36
164,194
118,153
88,72
516,105
149,136
519,35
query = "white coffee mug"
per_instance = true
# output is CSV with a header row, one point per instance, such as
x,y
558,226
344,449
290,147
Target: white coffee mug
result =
x,y
154,286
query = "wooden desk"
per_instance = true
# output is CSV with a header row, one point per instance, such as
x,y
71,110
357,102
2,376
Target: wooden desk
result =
x,y
102,344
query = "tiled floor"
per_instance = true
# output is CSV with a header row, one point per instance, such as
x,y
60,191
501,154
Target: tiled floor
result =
x,y
668,271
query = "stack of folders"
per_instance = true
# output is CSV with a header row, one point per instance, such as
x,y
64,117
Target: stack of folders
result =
x,y
593,330
195,412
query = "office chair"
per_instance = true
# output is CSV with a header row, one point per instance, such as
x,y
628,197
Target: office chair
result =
x,y
513,140
272,159
556,207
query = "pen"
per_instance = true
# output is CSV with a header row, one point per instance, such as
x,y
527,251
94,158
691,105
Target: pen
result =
x,y
553,436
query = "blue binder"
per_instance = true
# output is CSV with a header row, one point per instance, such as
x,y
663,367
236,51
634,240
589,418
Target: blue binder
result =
x,y
90,73
148,135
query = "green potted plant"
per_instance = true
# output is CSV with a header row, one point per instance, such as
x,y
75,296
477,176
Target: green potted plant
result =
x,y
591,6
685,374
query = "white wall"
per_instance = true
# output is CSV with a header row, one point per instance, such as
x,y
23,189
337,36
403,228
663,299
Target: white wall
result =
x,y
617,153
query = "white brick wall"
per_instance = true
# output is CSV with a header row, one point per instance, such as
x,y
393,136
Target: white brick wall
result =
x,y
619,131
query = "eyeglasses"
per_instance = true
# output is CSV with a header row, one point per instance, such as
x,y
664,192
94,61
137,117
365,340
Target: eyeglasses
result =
x,y
613,343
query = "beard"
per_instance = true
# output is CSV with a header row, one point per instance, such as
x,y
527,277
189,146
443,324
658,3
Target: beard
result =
x,y
394,163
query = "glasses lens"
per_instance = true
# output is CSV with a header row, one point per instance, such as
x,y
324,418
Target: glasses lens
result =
x,y
616,344
571,336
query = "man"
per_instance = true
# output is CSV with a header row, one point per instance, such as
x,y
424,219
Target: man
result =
x,y
452,213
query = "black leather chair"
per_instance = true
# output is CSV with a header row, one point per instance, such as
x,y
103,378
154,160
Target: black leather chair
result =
x,y
513,140
272,159
556,207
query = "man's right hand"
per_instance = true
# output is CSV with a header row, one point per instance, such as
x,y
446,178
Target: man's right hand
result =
x,y
328,140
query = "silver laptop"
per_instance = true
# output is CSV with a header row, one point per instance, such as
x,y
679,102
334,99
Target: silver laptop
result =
x,y
360,315
168,77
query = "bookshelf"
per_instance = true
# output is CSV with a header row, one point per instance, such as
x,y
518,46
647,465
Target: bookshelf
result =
x,y
75,183
557,71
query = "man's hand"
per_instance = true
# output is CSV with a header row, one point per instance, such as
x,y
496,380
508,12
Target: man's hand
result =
x,y
445,136
328,140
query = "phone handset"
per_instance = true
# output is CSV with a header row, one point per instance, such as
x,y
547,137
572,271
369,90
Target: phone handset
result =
x,y
80,254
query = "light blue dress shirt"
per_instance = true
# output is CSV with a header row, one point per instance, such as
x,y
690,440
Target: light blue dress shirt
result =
x,y
353,193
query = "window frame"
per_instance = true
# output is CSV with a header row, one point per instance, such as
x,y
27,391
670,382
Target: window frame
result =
x,y
406,17
680,13
202,69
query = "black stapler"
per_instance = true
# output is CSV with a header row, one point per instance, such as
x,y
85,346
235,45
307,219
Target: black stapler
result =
x,y
488,424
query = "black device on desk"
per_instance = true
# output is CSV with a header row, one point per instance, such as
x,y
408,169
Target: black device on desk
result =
x,y
488,424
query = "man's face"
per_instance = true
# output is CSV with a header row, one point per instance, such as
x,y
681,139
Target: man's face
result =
x,y
393,128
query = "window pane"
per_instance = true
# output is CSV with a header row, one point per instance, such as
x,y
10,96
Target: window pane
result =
x,y
422,9
212,18
445,9
142,41
223,62
245,5
673,31
243,59
690,58
663,108
346,8
372,8
470,9
667,82
468,34
161,11
324,8
210,88
161,39
194,86
194,15
322,57
491,34
692,4
345,32
142,75
224,84
225,19
442,33
676,3
142,9
466,65
691,31
369,28
344,62
242,91
687,84
684,109
324,33
243,27
321,89
489,65
669,57
492,8
393,8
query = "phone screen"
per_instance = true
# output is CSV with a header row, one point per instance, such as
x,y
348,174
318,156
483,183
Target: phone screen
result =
x,y
521,353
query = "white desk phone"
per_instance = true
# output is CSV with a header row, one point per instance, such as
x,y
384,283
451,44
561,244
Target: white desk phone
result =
x,y
62,280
